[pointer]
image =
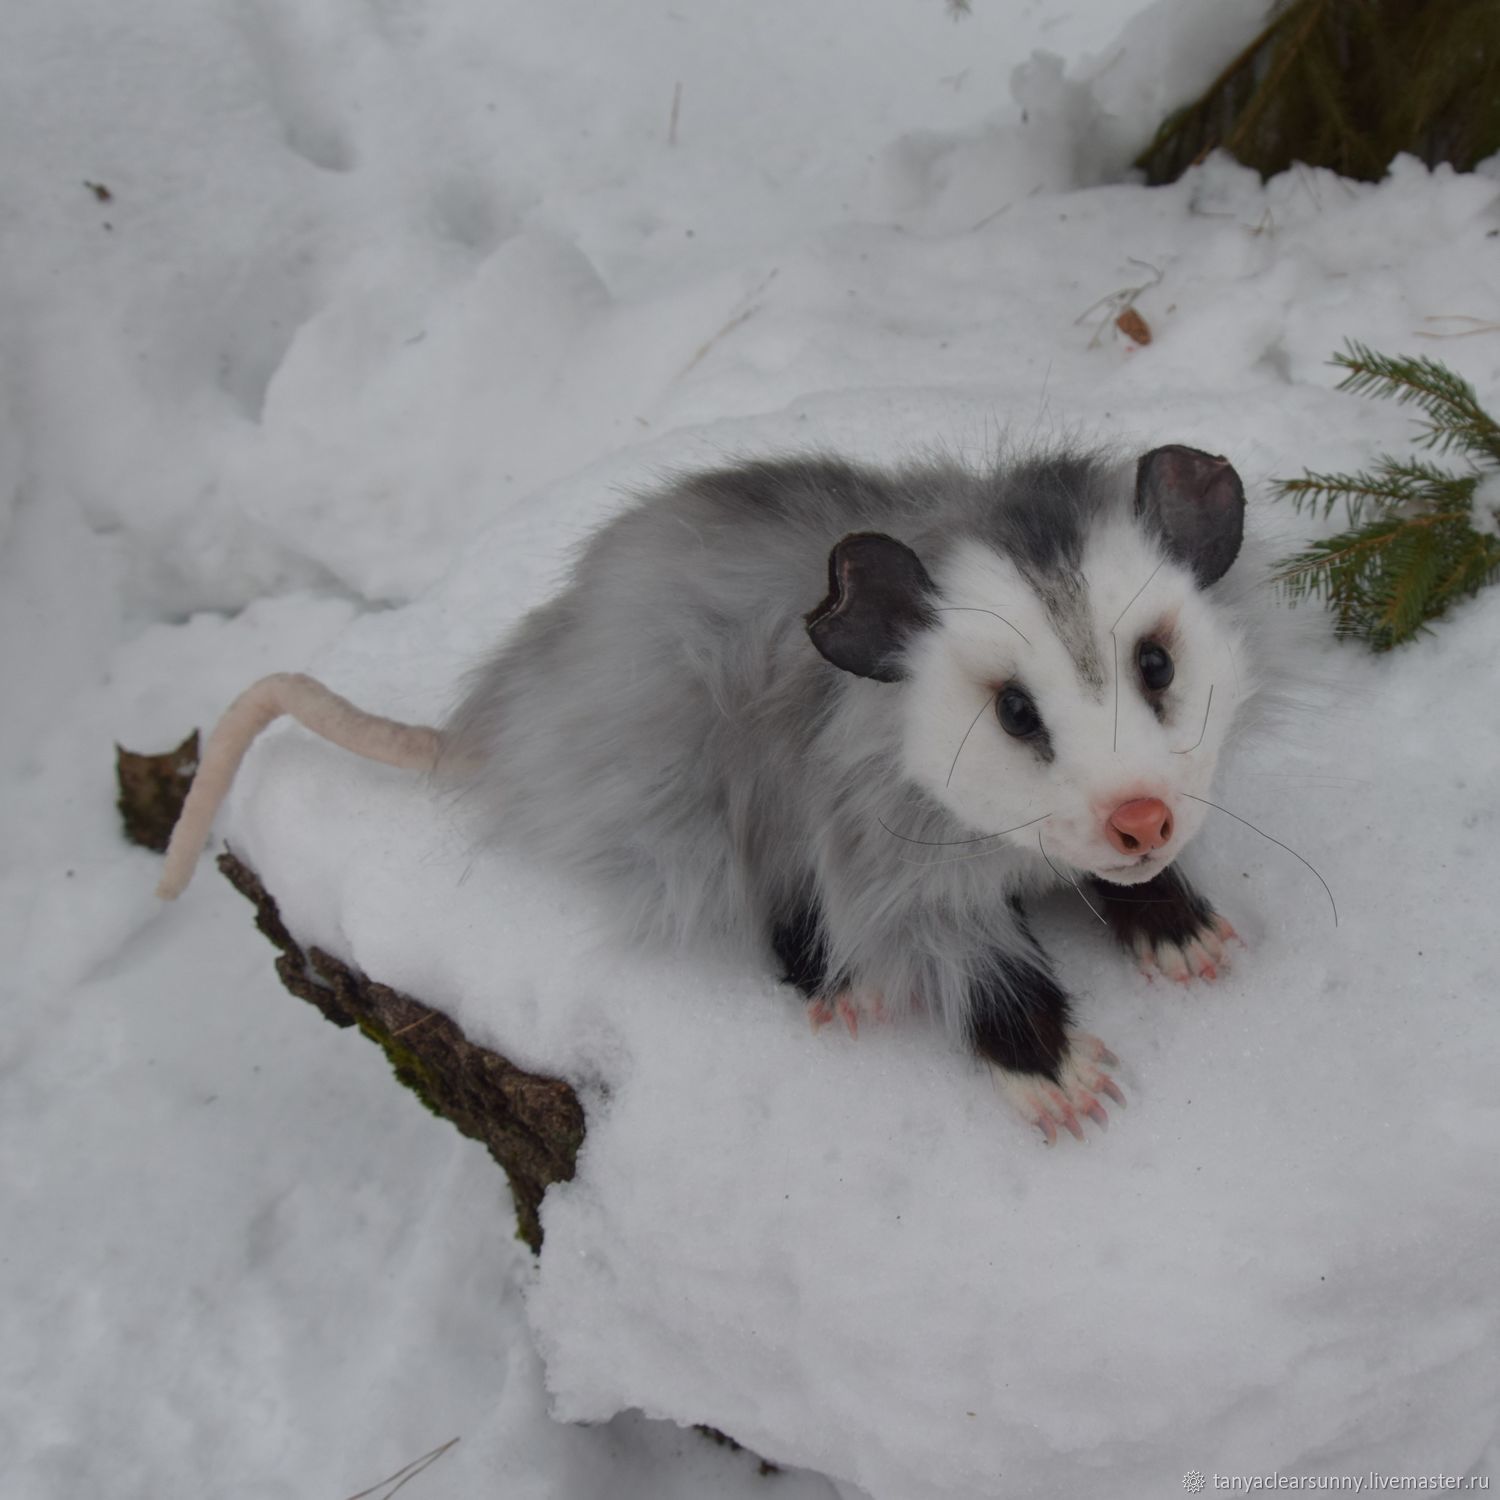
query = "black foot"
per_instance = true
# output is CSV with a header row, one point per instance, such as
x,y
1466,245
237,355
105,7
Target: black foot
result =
x,y
1054,1074
1167,925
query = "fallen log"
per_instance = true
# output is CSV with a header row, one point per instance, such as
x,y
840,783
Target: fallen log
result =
x,y
532,1125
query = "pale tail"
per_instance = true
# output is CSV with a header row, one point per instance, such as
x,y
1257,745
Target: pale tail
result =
x,y
410,747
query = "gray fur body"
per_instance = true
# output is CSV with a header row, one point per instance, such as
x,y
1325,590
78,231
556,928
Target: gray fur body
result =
x,y
665,726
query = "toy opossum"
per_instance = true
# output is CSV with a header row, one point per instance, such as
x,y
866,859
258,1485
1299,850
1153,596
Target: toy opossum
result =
x,y
855,718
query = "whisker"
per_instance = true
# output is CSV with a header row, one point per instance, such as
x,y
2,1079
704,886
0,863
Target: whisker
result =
x,y
970,730
1068,878
1157,569
1114,648
1248,824
973,609
1041,410
1204,730
945,843
402,1477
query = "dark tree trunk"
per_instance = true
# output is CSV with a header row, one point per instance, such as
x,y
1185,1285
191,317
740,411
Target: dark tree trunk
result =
x,y
1348,84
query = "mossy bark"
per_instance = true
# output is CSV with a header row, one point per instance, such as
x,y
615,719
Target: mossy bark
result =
x,y
152,791
1347,84
532,1125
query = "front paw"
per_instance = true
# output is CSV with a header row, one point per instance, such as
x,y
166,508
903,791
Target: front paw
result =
x,y
1075,1096
1202,953
850,1006
1169,927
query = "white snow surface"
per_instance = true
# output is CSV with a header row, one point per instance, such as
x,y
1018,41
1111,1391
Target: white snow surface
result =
x,y
387,305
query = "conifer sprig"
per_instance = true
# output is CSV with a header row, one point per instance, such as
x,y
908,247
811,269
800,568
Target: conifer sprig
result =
x,y
1454,415
1411,548
1412,482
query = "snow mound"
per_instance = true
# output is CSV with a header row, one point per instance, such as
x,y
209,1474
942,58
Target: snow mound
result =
x,y
309,310
848,1255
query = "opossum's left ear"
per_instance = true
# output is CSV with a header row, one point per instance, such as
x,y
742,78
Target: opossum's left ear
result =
x,y
878,595
1198,502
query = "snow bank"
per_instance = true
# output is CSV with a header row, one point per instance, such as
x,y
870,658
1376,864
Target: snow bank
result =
x,y
849,1255
311,310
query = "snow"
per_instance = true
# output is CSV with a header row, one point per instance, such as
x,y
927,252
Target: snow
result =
x,y
396,300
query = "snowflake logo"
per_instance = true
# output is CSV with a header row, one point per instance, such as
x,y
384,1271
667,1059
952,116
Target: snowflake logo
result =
x,y
1193,1481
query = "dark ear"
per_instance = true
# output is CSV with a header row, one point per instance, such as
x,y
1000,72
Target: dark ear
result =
x,y
878,594
1198,502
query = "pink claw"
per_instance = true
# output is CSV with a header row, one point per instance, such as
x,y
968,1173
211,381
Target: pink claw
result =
x,y
819,1014
1055,1107
1069,1119
1094,1049
848,1014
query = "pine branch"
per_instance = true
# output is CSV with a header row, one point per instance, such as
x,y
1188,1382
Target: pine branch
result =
x,y
1312,571
1454,415
1412,483
1411,563
1477,563
1386,581
1411,549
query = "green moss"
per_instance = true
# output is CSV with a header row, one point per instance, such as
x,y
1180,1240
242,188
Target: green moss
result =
x,y
407,1066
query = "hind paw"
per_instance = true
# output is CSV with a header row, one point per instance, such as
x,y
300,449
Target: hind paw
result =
x,y
1203,955
849,1006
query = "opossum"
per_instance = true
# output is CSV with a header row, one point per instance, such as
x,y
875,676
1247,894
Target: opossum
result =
x,y
853,718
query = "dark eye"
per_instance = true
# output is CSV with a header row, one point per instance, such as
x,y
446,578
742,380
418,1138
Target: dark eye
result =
x,y
1017,713
1156,666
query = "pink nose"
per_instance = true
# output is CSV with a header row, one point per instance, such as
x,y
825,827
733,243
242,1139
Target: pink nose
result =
x,y
1140,826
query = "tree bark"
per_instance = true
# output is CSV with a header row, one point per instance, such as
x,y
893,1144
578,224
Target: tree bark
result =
x,y
532,1125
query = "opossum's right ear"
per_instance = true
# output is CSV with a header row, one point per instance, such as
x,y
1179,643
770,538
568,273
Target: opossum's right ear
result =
x,y
878,595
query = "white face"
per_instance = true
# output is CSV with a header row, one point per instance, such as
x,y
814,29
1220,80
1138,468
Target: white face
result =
x,y
1105,781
